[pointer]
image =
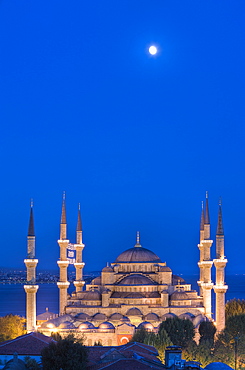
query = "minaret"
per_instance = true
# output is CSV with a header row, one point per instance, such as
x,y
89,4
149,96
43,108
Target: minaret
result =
x,y
30,287
79,264
205,263
63,263
220,262
200,246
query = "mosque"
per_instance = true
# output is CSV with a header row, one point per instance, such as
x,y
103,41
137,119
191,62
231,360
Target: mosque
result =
x,y
136,290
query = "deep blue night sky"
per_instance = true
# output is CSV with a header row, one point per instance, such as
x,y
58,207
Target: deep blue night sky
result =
x,y
136,139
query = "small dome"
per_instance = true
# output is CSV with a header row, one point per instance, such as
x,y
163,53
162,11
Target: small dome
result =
x,y
168,316
134,295
152,317
198,319
124,319
66,325
147,325
82,317
97,280
107,269
105,326
165,269
218,366
99,317
91,295
137,254
134,312
179,295
186,316
86,326
116,316
136,279
177,280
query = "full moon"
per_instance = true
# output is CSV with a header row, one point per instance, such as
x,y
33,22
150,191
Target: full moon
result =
x,y
152,50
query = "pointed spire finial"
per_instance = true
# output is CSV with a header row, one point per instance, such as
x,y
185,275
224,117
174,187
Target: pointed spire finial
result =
x,y
63,212
220,229
206,217
138,238
202,218
79,220
31,231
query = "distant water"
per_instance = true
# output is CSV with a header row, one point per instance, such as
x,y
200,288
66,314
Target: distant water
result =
x,y
12,296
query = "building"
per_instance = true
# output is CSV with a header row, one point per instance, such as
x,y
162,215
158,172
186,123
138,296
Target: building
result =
x,y
135,290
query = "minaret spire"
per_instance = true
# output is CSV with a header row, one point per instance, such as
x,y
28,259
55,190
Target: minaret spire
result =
x,y
220,262
220,229
202,224
206,218
63,224
63,212
79,220
31,287
31,231
79,264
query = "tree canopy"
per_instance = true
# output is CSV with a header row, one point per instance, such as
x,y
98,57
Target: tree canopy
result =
x,y
67,353
11,326
234,307
180,331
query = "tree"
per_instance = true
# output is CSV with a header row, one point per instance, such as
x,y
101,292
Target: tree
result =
x,y
230,344
207,331
67,353
139,336
160,340
180,331
234,307
11,326
31,363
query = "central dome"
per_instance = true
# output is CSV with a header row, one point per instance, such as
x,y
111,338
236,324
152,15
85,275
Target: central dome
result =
x,y
137,254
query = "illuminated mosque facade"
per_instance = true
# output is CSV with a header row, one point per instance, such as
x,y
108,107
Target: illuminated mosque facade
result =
x,y
136,290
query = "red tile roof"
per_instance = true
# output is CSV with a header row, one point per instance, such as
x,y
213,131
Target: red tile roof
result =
x,y
29,344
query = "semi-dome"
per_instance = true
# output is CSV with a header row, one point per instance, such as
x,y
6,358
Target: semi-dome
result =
x,y
99,317
82,317
91,295
116,316
134,312
179,295
151,317
137,254
168,315
136,279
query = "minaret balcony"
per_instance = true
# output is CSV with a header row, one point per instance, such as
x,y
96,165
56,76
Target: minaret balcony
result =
x,y
31,288
63,284
63,263
220,263
79,264
220,288
205,264
31,262
207,286
207,243
63,241
79,283
79,246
